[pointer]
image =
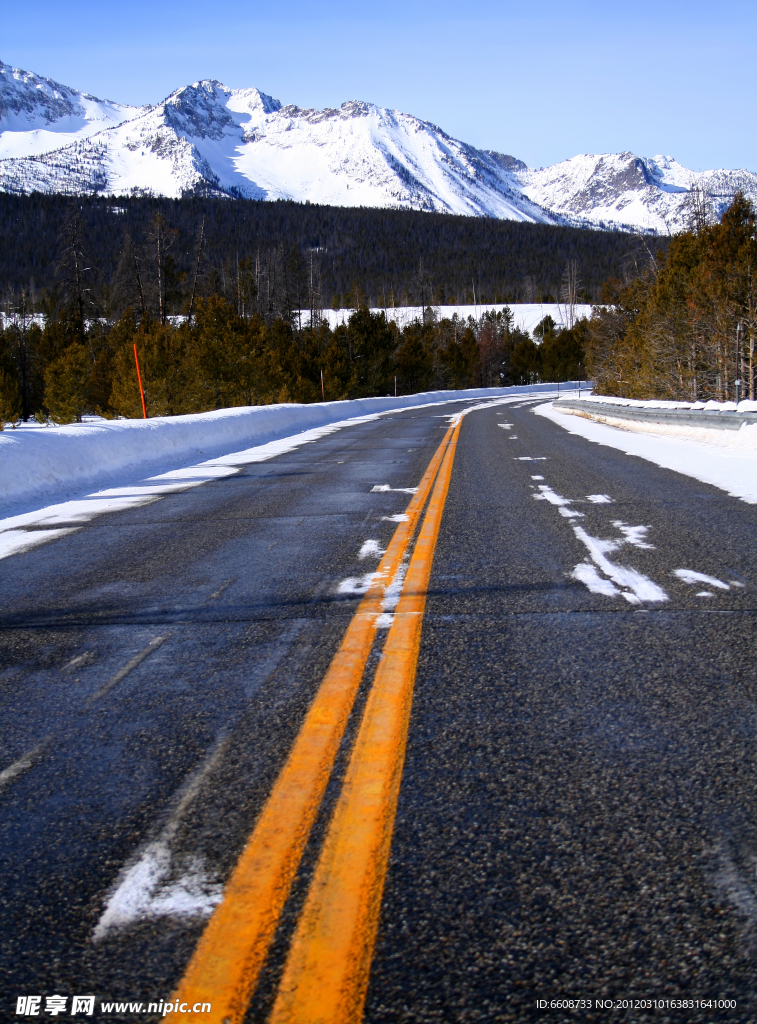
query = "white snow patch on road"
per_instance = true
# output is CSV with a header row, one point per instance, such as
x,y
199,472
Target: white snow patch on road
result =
x,y
371,549
361,585
588,575
636,586
393,592
191,895
689,576
399,518
726,459
144,891
148,886
131,899
547,494
599,499
400,490
357,584
635,535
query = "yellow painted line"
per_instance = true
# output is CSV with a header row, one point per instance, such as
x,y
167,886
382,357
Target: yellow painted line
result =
x,y
326,976
225,966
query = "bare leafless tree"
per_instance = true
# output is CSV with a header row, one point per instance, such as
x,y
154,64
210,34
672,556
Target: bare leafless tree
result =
x,y
569,286
162,238
199,251
73,267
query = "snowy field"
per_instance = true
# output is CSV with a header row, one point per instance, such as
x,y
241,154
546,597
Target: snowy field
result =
x,y
526,315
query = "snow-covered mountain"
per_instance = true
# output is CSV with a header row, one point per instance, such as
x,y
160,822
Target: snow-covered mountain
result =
x,y
206,138
653,194
209,138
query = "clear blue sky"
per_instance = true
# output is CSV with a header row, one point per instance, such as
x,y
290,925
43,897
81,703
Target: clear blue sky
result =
x,y
540,80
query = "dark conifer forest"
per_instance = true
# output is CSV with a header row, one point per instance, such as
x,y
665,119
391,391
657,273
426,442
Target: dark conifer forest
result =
x,y
381,257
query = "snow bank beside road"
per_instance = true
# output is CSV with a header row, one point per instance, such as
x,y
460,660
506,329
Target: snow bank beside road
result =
x,y
637,403
724,458
37,463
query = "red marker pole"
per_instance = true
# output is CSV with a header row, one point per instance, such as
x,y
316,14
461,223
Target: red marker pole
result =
x,y
395,387
323,390
139,378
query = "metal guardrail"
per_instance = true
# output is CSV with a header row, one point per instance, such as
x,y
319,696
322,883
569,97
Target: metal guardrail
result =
x,y
568,386
727,420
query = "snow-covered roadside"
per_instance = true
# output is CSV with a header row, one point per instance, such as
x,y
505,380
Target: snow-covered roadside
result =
x,y
27,529
724,458
57,462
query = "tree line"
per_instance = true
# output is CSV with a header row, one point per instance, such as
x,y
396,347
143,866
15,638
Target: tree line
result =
x,y
246,329
66,366
684,326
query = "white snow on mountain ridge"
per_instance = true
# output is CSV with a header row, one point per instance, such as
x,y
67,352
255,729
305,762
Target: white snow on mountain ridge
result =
x,y
38,114
206,138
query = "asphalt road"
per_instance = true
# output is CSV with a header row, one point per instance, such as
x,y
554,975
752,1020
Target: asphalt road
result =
x,y
578,811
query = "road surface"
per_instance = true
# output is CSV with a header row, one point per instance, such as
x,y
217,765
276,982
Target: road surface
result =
x,y
576,808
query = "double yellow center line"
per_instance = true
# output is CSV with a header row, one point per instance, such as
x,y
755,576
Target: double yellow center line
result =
x,y
326,975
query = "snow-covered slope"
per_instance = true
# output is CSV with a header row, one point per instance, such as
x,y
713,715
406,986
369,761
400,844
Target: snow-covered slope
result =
x,y
622,189
206,138
362,154
38,114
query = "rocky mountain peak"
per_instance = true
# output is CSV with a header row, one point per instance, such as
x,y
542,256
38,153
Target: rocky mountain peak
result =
x,y
30,97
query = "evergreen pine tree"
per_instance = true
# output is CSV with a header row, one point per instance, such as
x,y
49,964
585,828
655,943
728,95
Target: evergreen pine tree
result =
x,y
67,384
